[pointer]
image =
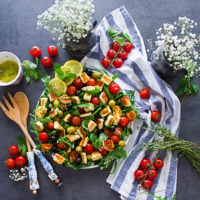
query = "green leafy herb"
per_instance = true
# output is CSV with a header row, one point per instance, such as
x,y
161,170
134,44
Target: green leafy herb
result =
x,y
46,80
22,145
126,132
65,140
85,105
128,38
45,120
110,96
97,141
115,76
94,92
84,123
32,72
34,128
121,40
112,32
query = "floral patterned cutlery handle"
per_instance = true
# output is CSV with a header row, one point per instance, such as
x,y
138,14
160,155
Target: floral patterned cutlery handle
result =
x,y
47,167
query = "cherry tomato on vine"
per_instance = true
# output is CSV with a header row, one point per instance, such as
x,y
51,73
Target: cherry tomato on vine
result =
x,y
13,150
147,184
52,50
106,62
95,100
118,62
50,125
115,138
111,53
122,54
89,148
158,163
78,82
152,174
20,161
46,61
91,82
144,93
35,51
102,151
145,163
155,115
71,90
128,47
123,121
114,88
76,121
116,46
43,136
10,163
139,174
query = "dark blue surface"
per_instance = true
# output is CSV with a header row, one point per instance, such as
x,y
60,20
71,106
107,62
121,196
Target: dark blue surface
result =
x,y
18,33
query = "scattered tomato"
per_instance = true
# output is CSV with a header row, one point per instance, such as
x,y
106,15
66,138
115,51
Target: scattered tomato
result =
x,y
106,62
43,136
123,121
50,125
76,121
20,161
115,138
95,100
118,62
91,82
139,174
71,90
122,54
89,148
102,151
155,115
147,184
78,82
52,50
116,46
158,163
128,47
114,88
13,150
61,145
35,51
152,174
46,62
10,163
145,163
144,93
111,53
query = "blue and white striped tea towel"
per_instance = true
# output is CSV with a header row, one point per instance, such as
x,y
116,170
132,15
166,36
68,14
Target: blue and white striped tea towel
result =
x,y
135,74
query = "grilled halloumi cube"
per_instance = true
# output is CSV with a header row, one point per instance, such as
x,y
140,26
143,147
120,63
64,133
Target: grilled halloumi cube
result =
x,y
81,132
90,107
84,77
39,126
73,137
106,111
107,80
53,113
131,115
85,115
43,101
84,142
65,99
67,118
91,125
117,111
116,120
96,156
76,99
126,101
100,123
108,145
103,97
40,111
84,158
88,88
109,121
99,84
52,97
57,126
87,97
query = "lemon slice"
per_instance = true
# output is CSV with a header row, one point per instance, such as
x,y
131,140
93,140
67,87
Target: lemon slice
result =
x,y
57,86
76,67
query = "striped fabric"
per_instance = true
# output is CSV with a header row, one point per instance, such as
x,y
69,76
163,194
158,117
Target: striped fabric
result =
x,y
135,74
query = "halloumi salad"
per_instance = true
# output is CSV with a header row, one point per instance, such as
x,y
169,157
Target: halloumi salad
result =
x,y
88,124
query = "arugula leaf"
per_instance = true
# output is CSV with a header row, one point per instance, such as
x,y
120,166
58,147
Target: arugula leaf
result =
x,y
94,92
84,123
46,80
126,132
115,76
97,141
22,145
32,72
85,105
65,140
110,96
74,111
45,120
34,128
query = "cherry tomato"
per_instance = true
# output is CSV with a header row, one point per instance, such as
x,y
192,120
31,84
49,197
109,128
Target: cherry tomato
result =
x,y
43,136
35,51
147,184
114,88
144,93
76,121
123,121
145,163
116,46
13,150
111,53
118,62
50,125
71,90
102,151
95,100
106,62
78,82
46,62
122,54
155,115
89,148
115,138
152,174
20,161
139,174
61,145
52,50
158,163
10,163
91,82
128,47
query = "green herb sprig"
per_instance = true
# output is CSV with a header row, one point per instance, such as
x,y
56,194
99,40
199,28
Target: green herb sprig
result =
x,y
22,145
